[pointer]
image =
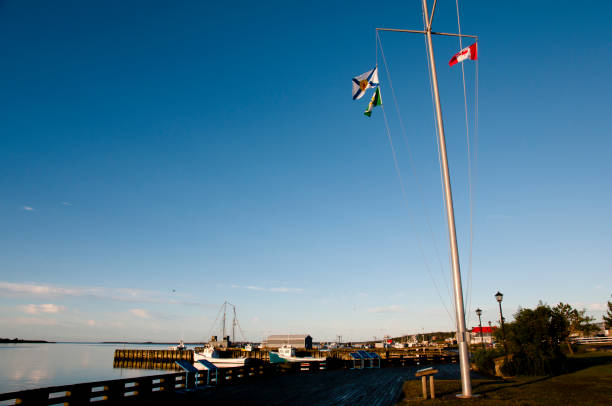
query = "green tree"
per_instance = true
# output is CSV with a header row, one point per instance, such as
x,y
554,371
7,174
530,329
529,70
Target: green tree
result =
x,y
534,340
577,320
608,316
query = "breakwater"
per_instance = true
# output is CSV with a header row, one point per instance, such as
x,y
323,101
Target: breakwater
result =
x,y
336,358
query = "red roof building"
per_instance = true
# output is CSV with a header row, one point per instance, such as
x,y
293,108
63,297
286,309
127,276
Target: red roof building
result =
x,y
485,330
486,336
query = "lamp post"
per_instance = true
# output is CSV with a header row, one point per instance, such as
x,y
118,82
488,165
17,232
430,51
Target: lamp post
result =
x,y
479,313
499,296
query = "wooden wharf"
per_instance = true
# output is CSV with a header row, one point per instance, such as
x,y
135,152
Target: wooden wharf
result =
x,y
160,387
133,390
392,355
153,356
265,384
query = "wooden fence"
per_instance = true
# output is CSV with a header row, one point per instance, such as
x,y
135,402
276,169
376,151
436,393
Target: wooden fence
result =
x,y
592,340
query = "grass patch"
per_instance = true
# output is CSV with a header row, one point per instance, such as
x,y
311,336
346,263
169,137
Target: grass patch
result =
x,y
589,384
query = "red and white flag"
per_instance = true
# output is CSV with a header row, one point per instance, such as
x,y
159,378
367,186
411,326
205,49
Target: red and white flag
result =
x,y
470,52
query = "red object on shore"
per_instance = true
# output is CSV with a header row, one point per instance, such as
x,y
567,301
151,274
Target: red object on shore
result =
x,y
484,329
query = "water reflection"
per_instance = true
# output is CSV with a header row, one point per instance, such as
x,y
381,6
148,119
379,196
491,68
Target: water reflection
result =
x,y
167,366
29,366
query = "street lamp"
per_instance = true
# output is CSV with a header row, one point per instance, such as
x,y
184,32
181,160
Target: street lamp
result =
x,y
479,313
499,296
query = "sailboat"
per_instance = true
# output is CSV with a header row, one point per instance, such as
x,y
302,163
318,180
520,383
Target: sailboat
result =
x,y
212,352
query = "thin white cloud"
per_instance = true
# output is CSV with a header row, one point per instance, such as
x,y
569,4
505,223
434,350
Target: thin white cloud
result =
x,y
28,208
597,307
114,294
36,321
280,289
45,290
66,204
142,313
386,309
42,308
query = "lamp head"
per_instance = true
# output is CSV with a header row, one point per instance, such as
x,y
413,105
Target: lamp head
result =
x,y
478,312
499,296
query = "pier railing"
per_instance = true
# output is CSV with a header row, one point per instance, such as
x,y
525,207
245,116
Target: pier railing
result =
x,y
592,340
144,387
101,392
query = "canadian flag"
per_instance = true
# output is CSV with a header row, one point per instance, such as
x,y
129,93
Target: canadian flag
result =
x,y
470,52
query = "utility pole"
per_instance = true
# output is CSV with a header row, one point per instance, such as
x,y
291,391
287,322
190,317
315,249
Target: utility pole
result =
x,y
464,361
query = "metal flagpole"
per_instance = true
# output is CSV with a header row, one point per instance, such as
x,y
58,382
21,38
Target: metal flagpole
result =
x,y
464,361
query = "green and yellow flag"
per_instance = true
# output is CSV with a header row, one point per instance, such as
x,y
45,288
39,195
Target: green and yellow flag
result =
x,y
376,101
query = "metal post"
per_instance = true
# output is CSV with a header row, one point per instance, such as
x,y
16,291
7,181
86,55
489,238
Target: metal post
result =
x,y
464,356
479,312
501,315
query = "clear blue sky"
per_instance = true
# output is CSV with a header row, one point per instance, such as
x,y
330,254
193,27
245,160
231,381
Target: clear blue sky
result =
x,y
158,158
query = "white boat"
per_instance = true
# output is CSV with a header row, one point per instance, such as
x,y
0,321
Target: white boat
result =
x,y
286,353
211,354
180,347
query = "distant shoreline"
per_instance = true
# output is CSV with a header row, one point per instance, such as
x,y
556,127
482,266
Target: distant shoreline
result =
x,y
147,343
21,341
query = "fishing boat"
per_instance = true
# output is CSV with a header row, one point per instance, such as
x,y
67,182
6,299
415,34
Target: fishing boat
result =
x,y
286,353
180,347
211,354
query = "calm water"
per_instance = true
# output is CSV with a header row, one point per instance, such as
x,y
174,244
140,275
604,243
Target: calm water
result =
x,y
29,366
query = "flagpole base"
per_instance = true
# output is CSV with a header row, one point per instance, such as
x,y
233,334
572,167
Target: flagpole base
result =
x,y
462,396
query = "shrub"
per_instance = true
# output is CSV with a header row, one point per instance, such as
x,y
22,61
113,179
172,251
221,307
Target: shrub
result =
x,y
483,359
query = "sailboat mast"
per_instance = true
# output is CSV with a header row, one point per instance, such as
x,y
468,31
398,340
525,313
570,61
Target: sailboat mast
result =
x,y
464,362
234,325
224,311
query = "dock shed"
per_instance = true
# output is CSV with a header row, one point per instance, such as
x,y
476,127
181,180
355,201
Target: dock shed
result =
x,y
295,340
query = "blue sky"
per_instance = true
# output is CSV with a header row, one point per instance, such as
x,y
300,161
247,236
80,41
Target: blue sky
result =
x,y
160,158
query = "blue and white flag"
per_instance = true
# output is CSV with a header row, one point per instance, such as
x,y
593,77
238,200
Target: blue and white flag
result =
x,y
364,82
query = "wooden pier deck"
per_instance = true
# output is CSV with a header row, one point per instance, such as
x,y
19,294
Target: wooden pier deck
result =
x,y
264,384
367,387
